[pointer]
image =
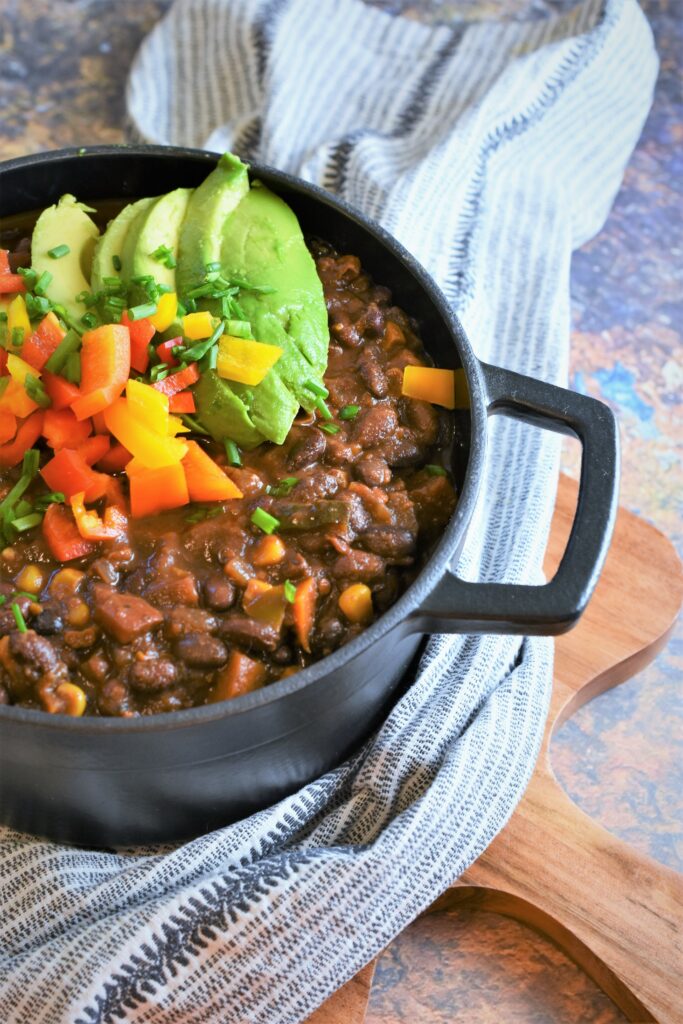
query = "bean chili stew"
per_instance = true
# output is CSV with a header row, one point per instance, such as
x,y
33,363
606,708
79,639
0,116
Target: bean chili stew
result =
x,y
278,553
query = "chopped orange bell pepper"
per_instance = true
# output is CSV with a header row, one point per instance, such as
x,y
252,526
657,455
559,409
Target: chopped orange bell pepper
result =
x,y
69,473
61,392
61,429
28,433
206,481
115,460
94,448
62,536
430,384
141,333
89,524
8,425
15,400
105,366
154,490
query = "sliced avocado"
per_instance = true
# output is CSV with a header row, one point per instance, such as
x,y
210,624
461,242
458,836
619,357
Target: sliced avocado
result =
x,y
111,243
159,225
67,222
201,233
223,412
131,240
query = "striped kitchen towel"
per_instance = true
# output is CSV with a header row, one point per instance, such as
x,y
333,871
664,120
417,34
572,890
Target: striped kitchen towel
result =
x,y
491,150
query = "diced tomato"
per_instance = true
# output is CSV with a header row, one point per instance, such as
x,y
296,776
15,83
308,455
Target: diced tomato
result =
x,y
28,433
141,333
69,473
176,382
60,391
95,448
38,348
61,429
182,402
62,536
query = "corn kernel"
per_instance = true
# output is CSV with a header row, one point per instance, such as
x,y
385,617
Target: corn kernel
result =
x,y
31,579
74,698
356,603
66,582
78,614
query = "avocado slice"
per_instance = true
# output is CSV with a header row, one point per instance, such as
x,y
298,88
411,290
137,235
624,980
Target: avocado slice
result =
x,y
264,246
67,222
110,244
158,224
201,232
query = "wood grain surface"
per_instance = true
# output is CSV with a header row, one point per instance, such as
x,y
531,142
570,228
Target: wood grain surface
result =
x,y
614,911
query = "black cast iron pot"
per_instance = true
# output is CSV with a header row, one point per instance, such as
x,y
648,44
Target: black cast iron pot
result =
x,y
110,781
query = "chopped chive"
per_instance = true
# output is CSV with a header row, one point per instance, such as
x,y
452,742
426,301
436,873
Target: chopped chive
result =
x,y
19,618
58,252
89,320
29,277
193,424
33,387
349,412
290,591
264,520
159,372
329,428
3,316
142,311
233,453
283,487
3,598
69,343
196,352
43,282
261,289
322,409
51,498
17,337
72,368
23,508
238,328
211,268
27,523
435,470
317,389
162,254
116,262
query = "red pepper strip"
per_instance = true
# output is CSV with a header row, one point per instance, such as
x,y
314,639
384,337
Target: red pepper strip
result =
x,y
141,333
89,524
61,429
69,473
178,381
8,425
182,402
9,282
28,433
4,262
62,536
38,348
116,459
95,448
165,351
61,392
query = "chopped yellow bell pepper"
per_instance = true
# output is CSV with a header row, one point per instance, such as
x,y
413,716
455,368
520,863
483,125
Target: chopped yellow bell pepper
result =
x,y
18,317
150,449
19,368
149,405
14,397
197,326
176,426
430,385
245,361
167,307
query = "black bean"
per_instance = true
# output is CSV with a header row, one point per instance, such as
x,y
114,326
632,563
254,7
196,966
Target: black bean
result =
x,y
199,650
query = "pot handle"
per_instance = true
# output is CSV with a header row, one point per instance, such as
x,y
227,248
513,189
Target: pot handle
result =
x,y
459,606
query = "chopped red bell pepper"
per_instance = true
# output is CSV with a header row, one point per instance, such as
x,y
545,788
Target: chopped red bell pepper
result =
x,y
38,348
115,460
94,448
69,473
165,351
60,391
28,433
61,429
176,382
62,536
182,402
105,367
9,282
141,333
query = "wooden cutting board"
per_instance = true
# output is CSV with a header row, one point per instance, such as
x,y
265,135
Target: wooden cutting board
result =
x,y
617,913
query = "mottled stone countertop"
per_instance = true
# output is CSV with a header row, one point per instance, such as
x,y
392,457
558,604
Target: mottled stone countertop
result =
x,y
62,71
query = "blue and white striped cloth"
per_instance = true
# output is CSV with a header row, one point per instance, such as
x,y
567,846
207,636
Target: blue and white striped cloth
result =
x,y
491,150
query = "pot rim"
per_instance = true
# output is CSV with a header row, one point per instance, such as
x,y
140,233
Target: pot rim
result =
x,y
440,557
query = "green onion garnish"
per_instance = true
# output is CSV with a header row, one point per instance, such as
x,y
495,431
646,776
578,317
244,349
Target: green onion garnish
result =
x,y
17,337
349,412
261,289
283,487
142,311
211,268
29,277
51,498
58,252
162,254
89,320
159,372
316,388
116,262
196,352
33,386
290,591
72,368
3,598
233,453
69,343
322,409
27,523
264,520
435,470
329,428
19,618
193,424
238,328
